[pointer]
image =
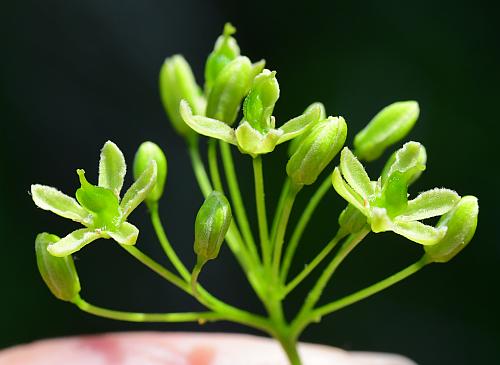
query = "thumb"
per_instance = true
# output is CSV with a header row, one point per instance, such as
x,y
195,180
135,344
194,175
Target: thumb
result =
x,y
149,348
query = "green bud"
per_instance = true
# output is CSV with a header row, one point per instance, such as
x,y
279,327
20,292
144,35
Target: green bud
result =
x,y
58,273
259,103
211,225
102,202
351,220
146,152
389,126
229,89
177,83
226,49
461,223
318,148
297,141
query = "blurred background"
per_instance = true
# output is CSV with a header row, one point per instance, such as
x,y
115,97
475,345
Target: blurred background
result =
x,y
74,74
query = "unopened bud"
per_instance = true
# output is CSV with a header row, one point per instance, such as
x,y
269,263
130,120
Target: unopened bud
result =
x,y
318,148
146,152
226,49
389,126
211,225
229,89
177,83
58,273
259,103
461,223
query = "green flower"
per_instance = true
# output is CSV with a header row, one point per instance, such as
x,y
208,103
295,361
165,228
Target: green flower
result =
x,y
98,208
256,133
385,202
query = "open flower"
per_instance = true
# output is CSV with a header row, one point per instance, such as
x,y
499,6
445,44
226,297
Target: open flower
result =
x,y
256,133
385,202
98,208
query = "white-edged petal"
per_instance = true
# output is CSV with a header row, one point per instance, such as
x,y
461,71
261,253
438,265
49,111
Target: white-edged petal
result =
x,y
49,198
297,125
419,232
355,174
73,242
126,234
139,190
431,203
346,192
112,168
206,126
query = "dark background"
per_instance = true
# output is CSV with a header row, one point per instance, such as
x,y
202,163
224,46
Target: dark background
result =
x,y
76,73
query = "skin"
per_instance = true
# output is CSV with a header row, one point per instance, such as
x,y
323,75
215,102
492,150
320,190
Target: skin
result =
x,y
153,348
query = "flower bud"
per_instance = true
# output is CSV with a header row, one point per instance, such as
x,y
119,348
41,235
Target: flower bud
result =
x,y
226,49
177,83
229,89
146,152
58,273
351,220
259,103
389,126
211,225
318,148
461,224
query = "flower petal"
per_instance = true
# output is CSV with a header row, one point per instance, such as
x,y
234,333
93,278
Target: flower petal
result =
x,y
346,192
419,232
207,126
431,203
355,174
251,141
126,234
297,125
73,242
51,199
139,190
112,168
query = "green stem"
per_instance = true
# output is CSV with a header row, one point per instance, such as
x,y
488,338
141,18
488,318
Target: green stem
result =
x,y
167,247
312,298
289,345
287,206
231,313
157,268
301,225
314,263
260,200
279,208
199,169
194,275
200,317
373,289
213,165
238,205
